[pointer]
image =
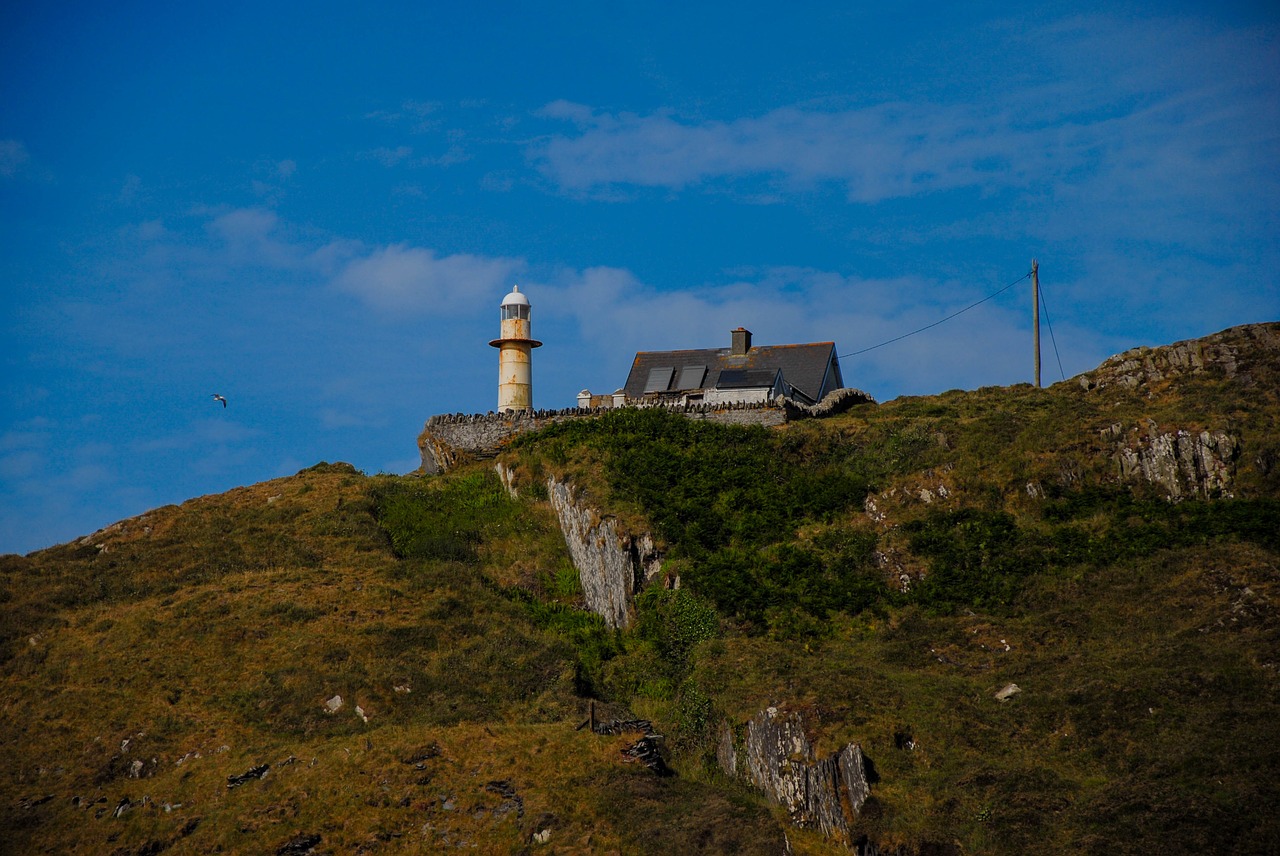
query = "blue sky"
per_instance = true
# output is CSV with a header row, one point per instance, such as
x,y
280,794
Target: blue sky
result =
x,y
315,210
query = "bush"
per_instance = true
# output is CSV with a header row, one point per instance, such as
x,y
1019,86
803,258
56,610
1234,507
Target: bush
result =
x,y
977,558
981,558
675,621
442,520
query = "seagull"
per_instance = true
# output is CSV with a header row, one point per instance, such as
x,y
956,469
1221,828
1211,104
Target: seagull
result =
x,y
217,397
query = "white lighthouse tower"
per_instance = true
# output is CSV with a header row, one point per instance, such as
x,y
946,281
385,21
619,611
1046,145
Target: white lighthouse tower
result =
x,y
515,354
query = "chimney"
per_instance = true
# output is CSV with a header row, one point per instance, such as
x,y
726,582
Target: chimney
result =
x,y
741,342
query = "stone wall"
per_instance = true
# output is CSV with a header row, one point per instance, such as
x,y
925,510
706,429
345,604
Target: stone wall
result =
x,y
449,438
836,401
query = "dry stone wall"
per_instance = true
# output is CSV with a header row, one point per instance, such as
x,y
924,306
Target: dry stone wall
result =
x,y
837,401
450,438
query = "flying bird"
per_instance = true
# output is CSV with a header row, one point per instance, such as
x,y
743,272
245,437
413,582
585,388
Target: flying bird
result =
x,y
217,397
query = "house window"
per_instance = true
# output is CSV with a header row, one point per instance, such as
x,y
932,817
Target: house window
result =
x,y
659,379
691,377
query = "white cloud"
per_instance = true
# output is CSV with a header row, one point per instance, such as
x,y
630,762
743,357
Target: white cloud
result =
x,y
201,434
418,114
244,225
452,156
150,230
331,417
401,278
614,315
20,465
595,318
251,237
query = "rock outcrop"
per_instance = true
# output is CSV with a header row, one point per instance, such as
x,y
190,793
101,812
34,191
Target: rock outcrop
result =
x,y
1230,352
1185,463
613,566
778,757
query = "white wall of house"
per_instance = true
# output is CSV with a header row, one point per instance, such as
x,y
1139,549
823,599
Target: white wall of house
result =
x,y
751,395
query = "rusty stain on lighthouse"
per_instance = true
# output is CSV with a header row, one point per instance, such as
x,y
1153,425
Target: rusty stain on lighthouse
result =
x,y
515,354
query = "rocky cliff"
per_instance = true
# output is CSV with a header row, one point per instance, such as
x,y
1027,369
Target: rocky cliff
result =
x,y
1191,458
1184,463
1232,354
777,755
613,566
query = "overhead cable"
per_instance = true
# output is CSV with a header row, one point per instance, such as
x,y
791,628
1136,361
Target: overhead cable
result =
x,y
1051,337
944,320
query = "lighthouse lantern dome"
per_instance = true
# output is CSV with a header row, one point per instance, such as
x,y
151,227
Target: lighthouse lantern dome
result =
x,y
515,305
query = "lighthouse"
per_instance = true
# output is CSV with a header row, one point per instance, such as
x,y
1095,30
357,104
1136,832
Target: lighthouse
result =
x,y
515,354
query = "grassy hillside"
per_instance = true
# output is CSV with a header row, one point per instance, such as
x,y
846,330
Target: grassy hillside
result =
x,y
886,572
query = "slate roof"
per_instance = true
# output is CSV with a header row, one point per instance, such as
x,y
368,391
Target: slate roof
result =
x,y
812,370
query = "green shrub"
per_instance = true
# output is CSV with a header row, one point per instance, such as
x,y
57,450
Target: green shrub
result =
x,y
592,641
445,519
674,622
977,557
980,558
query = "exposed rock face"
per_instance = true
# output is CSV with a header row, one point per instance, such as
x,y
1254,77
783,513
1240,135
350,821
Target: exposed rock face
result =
x,y
1228,351
508,478
778,757
1184,463
612,566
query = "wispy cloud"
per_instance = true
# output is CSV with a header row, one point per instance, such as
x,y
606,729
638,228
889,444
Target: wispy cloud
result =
x,y
877,152
1187,119
202,434
386,156
419,116
610,314
13,156
601,315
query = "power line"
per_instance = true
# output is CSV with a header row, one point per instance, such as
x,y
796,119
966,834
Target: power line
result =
x,y
944,320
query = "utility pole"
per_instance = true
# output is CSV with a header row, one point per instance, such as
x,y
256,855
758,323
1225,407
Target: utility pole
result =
x,y
1035,312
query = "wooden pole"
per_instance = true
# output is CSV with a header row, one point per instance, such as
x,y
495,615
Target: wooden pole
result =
x,y
1035,312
